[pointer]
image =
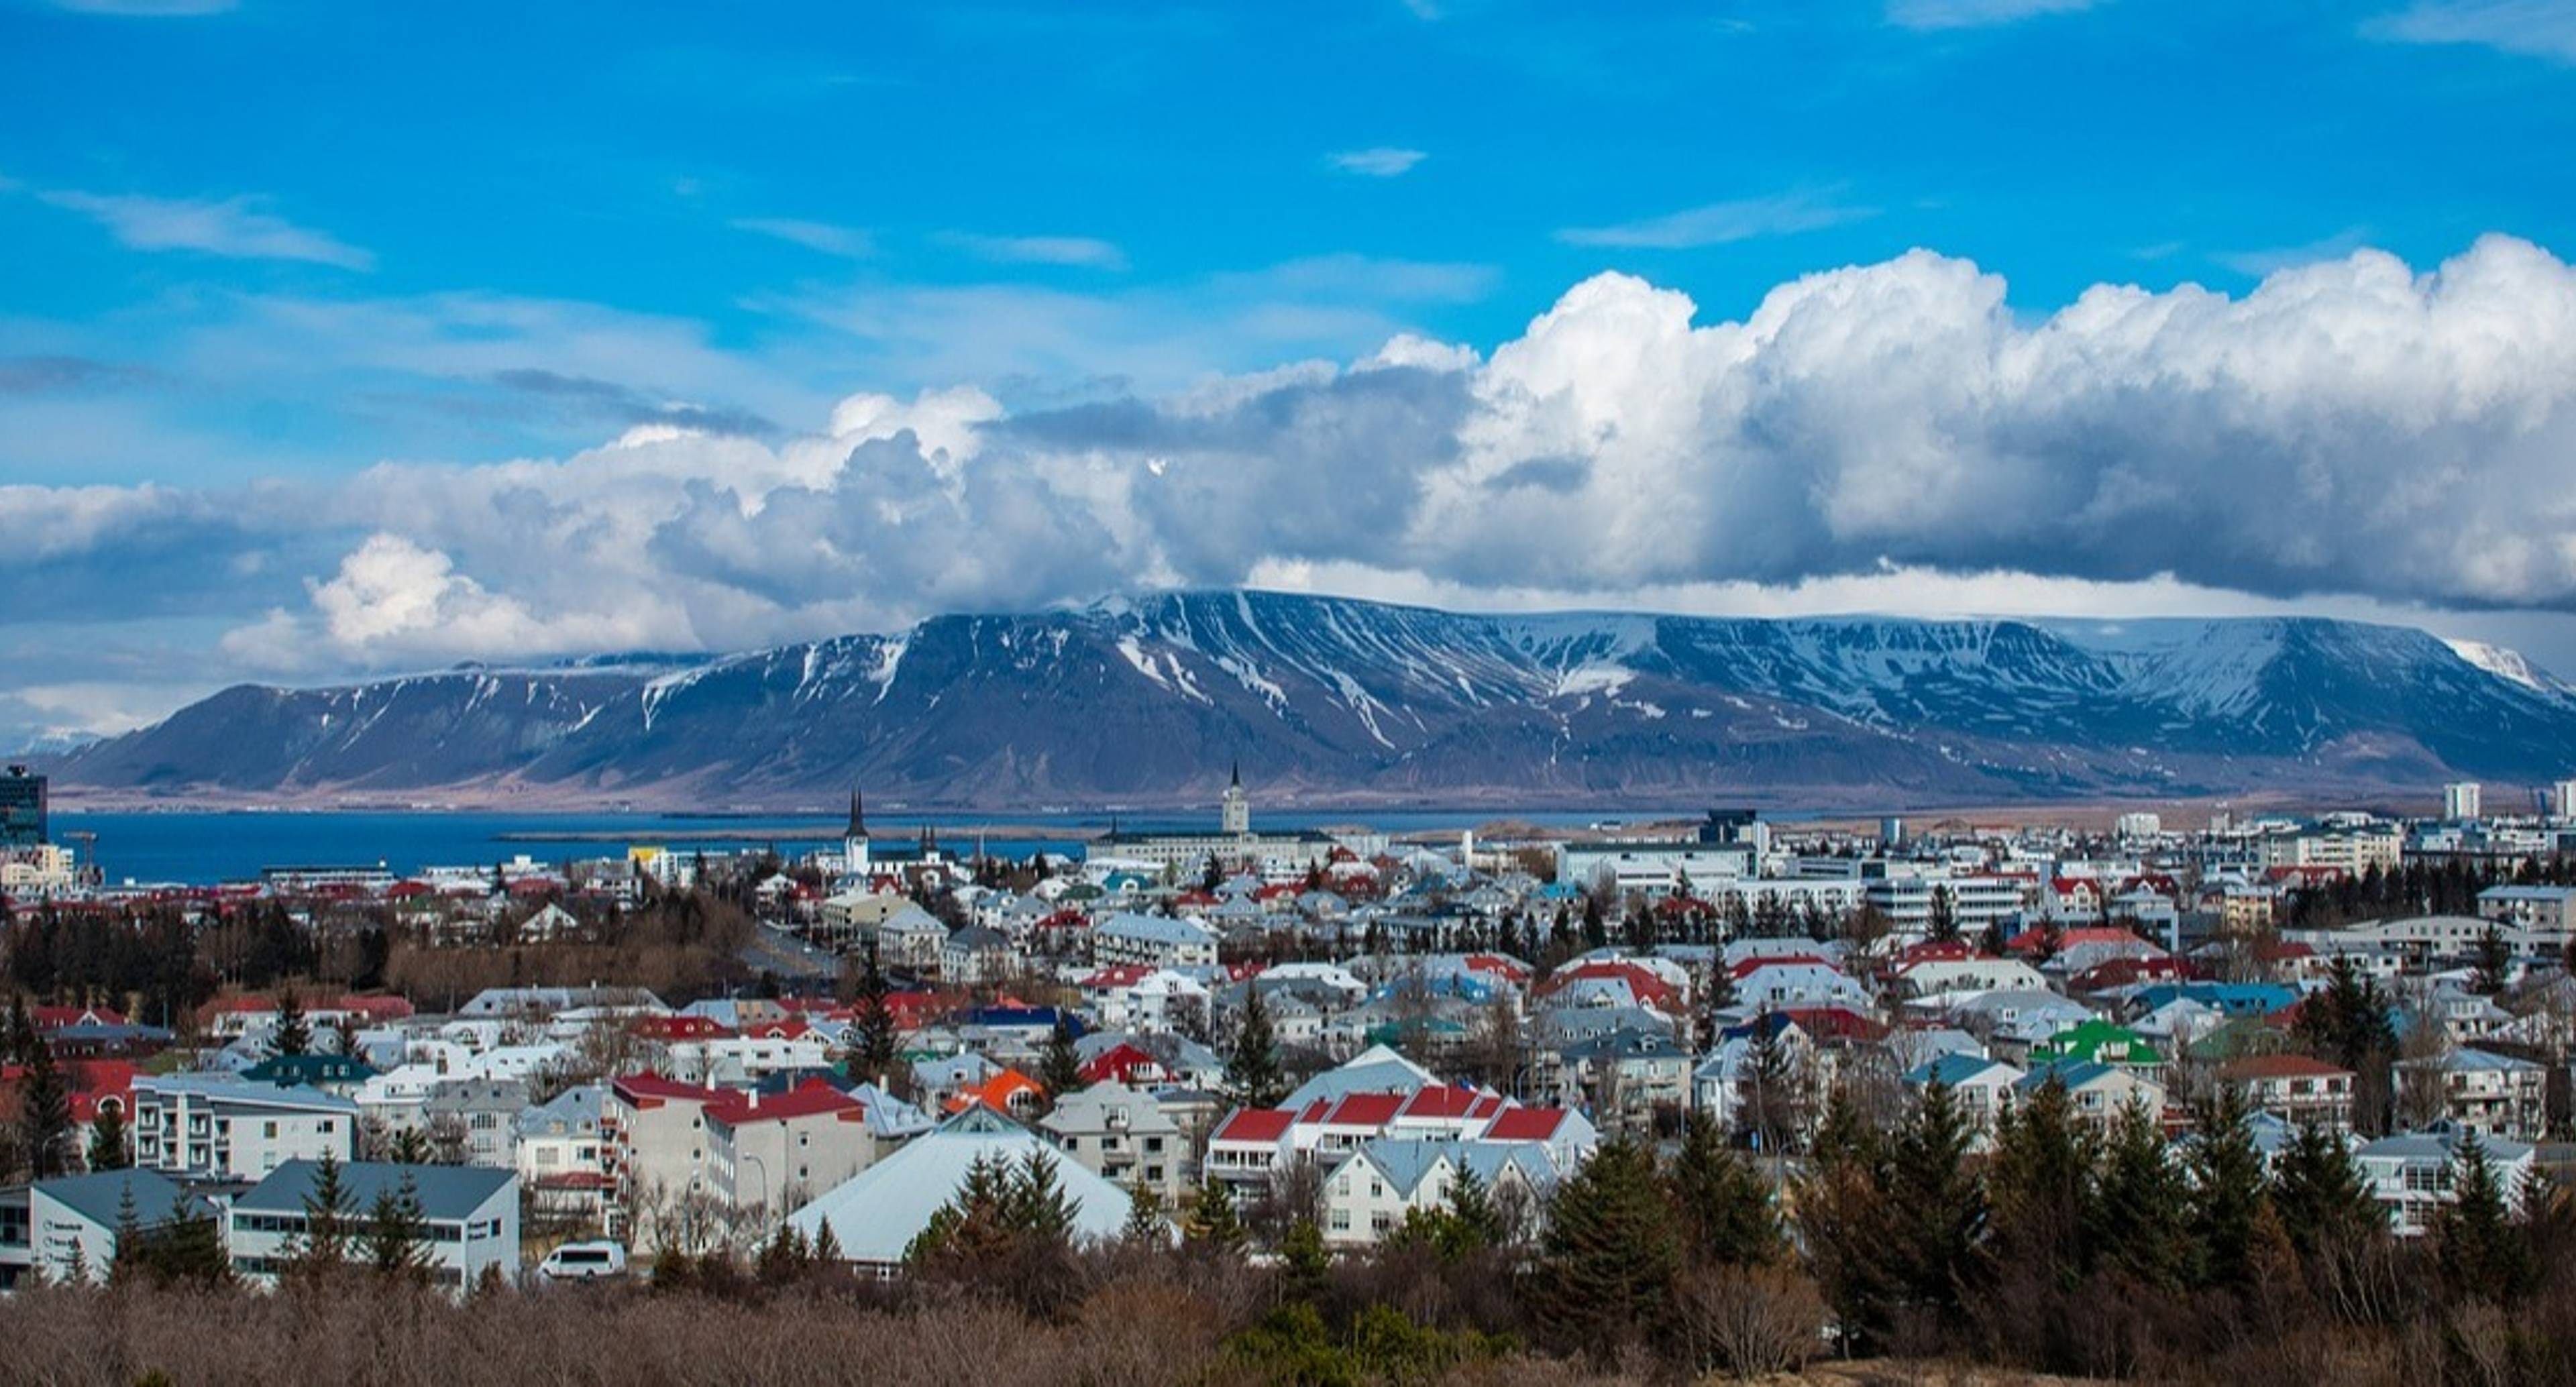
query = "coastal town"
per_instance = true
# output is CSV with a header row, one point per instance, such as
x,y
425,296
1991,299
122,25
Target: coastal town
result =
x,y
1294,1043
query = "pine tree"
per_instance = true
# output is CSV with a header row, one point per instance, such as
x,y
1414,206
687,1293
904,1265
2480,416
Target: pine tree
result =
x,y
131,1251
1726,1215
1770,1090
188,1248
329,1213
2042,1185
1036,1206
876,1045
1146,1225
827,1246
293,1035
2142,1210
1936,1205
1061,1069
1305,1264
2318,1188
1610,1256
44,1109
396,1241
2482,1253
1470,1221
2494,959
107,1144
410,1147
2230,1199
1213,1222
1944,924
1252,1072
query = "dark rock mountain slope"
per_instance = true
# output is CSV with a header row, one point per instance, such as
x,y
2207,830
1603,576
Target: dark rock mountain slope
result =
x,y
1320,699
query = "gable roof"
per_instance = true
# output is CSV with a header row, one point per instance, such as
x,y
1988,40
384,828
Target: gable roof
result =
x,y
875,1214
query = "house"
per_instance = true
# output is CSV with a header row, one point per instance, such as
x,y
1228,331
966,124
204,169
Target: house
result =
x,y
875,1215
475,1121
976,955
2296,1088
1375,1188
561,1154
773,1151
1153,940
72,1222
655,1133
2482,1091
2099,1041
1124,1136
471,1214
2097,1091
1567,1137
208,1124
911,939
1981,1086
2410,1173
1250,1144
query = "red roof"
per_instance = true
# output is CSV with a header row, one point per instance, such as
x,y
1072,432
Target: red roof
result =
x,y
1449,1101
1116,976
55,1018
1120,1062
1526,1124
679,1028
813,1098
1364,1110
1751,966
652,1090
1262,1125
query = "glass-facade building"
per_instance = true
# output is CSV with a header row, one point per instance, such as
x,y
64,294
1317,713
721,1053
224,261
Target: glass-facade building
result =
x,y
22,808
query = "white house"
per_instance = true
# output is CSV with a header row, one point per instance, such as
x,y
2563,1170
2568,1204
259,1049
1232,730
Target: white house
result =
x,y
1370,1193
2410,1174
208,1124
470,1213
1123,1135
1153,940
72,1222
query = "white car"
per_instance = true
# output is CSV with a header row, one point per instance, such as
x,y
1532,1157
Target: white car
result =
x,y
590,1261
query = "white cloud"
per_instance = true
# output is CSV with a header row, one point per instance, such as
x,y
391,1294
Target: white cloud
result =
x,y
1973,14
2259,263
235,228
1723,223
1082,251
847,242
2351,435
2538,28
1382,161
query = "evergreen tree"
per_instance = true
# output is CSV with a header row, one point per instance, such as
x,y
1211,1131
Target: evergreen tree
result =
x,y
827,1247
330,1213
2231,1202
1944,923
107,1142
1596,930
2141,1223
1936,1205
2042,1185
1844,1136
130,1245
1036,1206
397,1236
1770,1091
409,1147
2481,1252
1609,1258
1212,1221
1305,1264
1146,1224
188,1248
1470,1221
1061,1068
44,1108
876,1044
294,1034
1252,1072
2494,959
1726,1215
2320,1193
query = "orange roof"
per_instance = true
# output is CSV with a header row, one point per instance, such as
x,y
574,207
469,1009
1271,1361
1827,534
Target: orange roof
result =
x,y
995,1092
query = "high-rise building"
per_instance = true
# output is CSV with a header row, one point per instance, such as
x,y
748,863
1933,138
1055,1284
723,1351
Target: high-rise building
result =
x,y
22,809
2460,800
2562,800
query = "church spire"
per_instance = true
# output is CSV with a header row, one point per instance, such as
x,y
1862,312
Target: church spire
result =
x,y
858,818
1237,780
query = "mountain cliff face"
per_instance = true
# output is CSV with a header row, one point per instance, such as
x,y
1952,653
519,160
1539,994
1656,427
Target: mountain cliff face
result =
x,y
1330,700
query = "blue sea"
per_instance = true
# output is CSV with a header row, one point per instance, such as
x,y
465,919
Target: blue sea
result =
x,y
201,848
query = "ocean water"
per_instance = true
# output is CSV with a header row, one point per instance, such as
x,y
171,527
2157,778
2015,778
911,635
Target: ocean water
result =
x,y
220,846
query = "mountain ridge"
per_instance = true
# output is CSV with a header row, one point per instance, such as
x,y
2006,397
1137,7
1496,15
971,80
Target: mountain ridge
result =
x,y
1146,700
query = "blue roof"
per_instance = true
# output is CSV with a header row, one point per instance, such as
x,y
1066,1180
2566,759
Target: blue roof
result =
x,y
100,1195
446,1192
1952,1070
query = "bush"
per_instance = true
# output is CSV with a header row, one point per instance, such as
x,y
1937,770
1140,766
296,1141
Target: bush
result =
x,y
1749,1321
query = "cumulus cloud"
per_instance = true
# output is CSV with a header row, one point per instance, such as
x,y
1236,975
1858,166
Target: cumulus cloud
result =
x,y
2539,28
237,228
1723,223
2351,433
1382,161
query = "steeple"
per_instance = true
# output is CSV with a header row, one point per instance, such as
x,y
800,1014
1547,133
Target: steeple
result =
x,y
1237,781
1237,814
858,818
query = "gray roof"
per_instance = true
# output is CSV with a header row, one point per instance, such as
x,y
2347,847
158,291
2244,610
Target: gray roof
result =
x,y
100,1195
573,1110
1374,1070
1155,929
875,1214
446,1192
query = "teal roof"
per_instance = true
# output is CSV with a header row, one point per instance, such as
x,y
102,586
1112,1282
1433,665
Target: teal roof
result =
x,y
446,1192
100,1195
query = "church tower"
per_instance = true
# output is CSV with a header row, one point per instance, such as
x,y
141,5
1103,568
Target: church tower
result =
x,y
854,839
1238,808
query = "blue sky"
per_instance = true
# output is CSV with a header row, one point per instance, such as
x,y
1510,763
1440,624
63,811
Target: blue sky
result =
x,y
265,250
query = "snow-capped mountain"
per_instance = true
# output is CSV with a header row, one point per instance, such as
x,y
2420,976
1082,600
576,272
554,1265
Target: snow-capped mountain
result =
x,y
1150,700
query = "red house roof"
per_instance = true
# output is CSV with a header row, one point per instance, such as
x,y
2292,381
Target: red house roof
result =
x,y
1527,1124
1263,1126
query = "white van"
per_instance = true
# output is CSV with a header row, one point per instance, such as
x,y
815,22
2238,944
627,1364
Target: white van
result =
x,y
590,1261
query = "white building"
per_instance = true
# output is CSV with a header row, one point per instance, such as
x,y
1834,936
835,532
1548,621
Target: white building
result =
x,y
471,1216
1124,1136
2410,1174
1154,941
2460,800
1370,1194
209,1124
72,1222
